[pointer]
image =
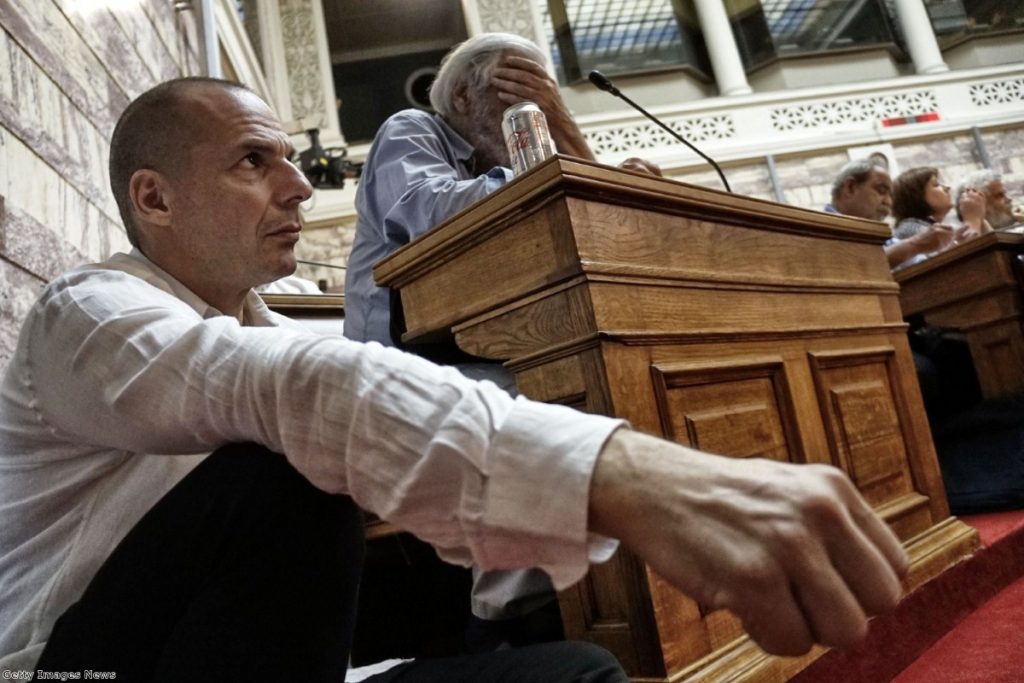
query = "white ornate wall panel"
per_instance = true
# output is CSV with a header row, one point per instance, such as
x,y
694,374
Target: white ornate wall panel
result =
x,y
522,17
309,78
237,49
646,136
996,92
853,112
748,127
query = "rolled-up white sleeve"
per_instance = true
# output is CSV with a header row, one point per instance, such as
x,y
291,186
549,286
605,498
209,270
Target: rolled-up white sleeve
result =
x,y
485,478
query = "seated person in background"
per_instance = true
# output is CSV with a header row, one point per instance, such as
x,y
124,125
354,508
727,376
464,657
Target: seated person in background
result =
x,y
128,547
998,205
422,169
921,201
863,189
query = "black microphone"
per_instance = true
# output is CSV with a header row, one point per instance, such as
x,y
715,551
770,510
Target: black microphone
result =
x,y
604,83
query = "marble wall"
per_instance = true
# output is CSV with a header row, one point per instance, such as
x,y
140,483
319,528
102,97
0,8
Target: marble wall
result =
x,y
67,70
329,245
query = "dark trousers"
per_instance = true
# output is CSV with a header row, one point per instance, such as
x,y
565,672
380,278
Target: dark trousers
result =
x,y
245,571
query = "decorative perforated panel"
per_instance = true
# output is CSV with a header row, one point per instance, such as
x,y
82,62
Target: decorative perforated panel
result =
x,y
510,16
853,110
998,92
648,136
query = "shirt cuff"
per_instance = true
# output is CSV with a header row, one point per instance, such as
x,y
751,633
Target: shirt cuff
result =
x,y
501,174
554,486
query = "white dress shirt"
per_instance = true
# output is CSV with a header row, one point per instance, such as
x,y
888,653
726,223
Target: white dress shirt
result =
x,y
123,380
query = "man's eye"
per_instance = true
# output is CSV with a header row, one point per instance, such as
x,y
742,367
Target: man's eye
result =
x,y
254,158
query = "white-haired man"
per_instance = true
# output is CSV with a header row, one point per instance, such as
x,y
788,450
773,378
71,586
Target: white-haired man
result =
x,y
998,205
422,169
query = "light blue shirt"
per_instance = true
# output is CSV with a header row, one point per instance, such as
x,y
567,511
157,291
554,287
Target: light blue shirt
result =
x,y
419,172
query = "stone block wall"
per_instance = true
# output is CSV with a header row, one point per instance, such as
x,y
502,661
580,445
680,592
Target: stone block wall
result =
x,y
330,245
67,70
806,179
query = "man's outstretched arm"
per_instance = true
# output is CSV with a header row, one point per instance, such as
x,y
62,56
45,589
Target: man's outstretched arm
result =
x,y
792,550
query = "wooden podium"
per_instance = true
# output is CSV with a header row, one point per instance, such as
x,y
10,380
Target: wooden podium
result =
x,y
727,323
976,288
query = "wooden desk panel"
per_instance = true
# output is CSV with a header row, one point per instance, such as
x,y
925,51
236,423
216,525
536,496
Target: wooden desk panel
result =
x,y
723,322
975,287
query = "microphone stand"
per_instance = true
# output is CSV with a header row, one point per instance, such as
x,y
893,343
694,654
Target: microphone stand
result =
x,y
604,83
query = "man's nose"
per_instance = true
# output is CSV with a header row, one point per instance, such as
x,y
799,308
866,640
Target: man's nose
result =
x,y
294,186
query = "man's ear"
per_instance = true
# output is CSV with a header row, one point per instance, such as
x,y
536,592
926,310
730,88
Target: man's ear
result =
x,y
149,192
460,97
848,187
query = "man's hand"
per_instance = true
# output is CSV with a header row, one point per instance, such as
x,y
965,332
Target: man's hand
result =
x,y
936,237
520,79
641,165
971,206
792,550
932,239
972,212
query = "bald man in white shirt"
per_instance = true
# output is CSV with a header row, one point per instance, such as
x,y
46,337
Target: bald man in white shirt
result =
x,y
127,547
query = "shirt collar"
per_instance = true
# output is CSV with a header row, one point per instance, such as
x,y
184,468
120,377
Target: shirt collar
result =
x,y
460,146
254,310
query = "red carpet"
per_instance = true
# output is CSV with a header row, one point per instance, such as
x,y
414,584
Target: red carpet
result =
x,y
966,625
986,647
996,526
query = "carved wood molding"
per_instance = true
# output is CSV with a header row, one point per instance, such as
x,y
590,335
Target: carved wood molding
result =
x,y
742,407
563,176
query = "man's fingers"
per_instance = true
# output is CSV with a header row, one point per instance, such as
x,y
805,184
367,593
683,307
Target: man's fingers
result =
x,y
523,77
509,78
834,614
642,165
872,579
510,98
524,64
829,596
774,620
846,570
881,536
861,547
517,92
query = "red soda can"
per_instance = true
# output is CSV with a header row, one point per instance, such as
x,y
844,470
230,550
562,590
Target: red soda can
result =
x,y
526,135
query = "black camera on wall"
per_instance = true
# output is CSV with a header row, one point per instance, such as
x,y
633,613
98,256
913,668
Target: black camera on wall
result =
x,y
326,168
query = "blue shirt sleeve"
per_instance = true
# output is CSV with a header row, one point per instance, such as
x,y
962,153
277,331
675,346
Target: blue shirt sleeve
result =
x,y
417,175
417,179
